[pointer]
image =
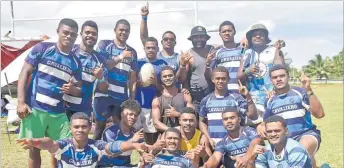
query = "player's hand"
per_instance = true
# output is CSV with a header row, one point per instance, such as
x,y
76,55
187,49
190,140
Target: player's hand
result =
x,y
138,136
241,161
200,151
258,149
190,154
23,110
145,10
68,88
27,143
184,58
171,112
254,69
244,43
269,94
305,81
279,44
141,147
185,91
126,54
210,58
261,131
98,72
148,157
159,144
243,89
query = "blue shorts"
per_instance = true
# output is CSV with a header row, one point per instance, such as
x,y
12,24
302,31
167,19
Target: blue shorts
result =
x,y
313,132
105,107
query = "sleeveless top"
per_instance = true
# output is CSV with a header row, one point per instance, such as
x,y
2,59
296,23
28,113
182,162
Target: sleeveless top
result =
x,y
186,145
177,101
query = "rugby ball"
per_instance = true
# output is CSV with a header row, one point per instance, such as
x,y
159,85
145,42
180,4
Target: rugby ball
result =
x,y
146,73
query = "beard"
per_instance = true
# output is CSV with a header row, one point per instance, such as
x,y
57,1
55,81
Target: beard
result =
x,y
199,44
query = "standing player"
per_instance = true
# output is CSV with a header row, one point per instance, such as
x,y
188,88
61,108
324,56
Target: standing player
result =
x,y
168,42
236,149
145,95
124,131
55,68
121,60
295,105
80,151
92,69
227,55
171,156
255,65
167,107
281,152
196,82
213,105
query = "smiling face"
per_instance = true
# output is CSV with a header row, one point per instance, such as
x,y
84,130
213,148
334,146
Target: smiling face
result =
x,y
80,129
168,41
258,38
67,35
275,132
129,117
122,32
89,36
220,80
187,122
167,77
172,141
231,121
199,41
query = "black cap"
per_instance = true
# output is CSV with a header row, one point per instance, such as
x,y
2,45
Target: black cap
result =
x,y
198,30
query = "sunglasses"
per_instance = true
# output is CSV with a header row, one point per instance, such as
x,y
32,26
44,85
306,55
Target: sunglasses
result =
x,y
169,39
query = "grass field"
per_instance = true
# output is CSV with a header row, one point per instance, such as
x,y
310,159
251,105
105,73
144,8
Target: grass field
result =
x,y
331,127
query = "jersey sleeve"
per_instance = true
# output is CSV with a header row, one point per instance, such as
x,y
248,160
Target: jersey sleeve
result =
x,y
110,134
242,104
261,161
77,74
35,55
251,133
133,65
203,109
101,49
220,147
298,158
268,110
62,144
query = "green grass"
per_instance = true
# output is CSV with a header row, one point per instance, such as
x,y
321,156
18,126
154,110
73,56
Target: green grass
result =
x,y
331,127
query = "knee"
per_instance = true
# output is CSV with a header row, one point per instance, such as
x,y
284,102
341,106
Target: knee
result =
x,y
310,143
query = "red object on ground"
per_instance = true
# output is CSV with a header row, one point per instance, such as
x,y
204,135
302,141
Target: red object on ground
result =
x,y
8,53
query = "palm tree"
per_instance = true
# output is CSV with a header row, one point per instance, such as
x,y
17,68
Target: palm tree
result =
x,y
338,64
318,67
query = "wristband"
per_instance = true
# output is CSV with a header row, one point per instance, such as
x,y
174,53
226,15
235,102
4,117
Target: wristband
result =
x,y
310,93
207,66
102,79
36,143
144,18
115,147
182,66
247,71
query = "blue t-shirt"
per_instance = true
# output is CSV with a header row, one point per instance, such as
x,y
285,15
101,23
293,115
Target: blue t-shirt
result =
x,y
88,62
172,61
114,133
236,147
230,59
68,156
212,108
119,75
176,160
145,95
294,155
52,69
291,106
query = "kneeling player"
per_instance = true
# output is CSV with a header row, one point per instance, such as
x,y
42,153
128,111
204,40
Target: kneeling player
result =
x,y
282,152
68,151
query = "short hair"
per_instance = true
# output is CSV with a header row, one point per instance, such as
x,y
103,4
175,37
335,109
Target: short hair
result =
x,y
151,39
169,32
122,21
89,23
188,110
227,23
220,69
233,110
278,67
276,118
69,22
131,105
166,67
172,129
80,115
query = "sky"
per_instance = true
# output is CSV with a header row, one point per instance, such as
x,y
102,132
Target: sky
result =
x,y
307,27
